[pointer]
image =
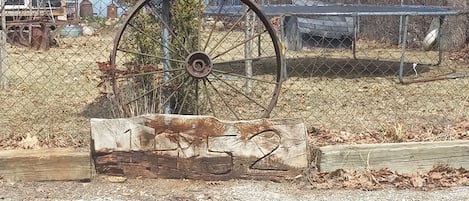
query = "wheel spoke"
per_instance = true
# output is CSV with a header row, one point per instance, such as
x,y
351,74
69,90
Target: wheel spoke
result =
x,y
207,93
242,76
165,24
151,73
149,55
162,84
196,87
239,92
205,103
223,100
228,32
153,39
213,26
172,94
237,45
243,60
184,99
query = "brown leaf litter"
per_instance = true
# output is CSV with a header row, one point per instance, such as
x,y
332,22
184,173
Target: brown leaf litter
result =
x,y
440,176
394,134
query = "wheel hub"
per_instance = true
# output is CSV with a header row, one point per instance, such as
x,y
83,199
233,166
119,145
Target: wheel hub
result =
x,y
199,64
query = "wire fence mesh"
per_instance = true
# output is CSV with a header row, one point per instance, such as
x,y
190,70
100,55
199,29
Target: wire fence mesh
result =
x,y
336,84
337,76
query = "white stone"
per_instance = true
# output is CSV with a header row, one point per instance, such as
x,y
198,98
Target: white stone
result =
x,y
111,21
88,31
219,25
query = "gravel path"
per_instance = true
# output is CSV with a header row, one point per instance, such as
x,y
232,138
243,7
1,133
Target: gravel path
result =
x,y
185,190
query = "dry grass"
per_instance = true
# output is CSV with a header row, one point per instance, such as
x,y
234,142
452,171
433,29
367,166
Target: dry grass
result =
x,y
331,90
50,92
53,94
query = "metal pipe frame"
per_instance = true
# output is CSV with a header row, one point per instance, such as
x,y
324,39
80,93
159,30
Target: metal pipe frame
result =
x,y
355,11
404,44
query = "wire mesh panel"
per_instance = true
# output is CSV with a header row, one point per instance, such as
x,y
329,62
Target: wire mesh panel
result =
x,y
339,71
344,71
49,75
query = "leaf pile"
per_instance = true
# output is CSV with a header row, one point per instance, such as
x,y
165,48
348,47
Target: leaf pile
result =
x,y
395,134
440,176
461,55
37,142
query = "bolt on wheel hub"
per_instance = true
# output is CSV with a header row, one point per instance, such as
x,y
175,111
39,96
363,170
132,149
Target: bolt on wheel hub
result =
x,y
199,65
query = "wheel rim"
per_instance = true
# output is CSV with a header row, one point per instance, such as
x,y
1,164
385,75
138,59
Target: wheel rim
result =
x,y
231,72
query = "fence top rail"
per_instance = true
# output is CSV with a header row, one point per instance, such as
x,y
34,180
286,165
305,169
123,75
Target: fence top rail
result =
x,y
341,9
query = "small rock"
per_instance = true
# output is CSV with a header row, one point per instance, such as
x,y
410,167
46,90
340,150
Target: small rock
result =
x,y
344,133
417,182
88,30
116,179
219,25
391,178
209,24
30,142
111,21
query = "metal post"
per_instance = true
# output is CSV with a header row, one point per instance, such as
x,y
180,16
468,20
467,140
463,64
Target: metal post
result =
x,y
3,52
440,42
404,44
259,38
249,32
166,54
283,48
400,25
355,36
358,20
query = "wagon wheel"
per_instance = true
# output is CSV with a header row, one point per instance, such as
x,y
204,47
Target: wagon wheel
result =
x,y
217,60
19,34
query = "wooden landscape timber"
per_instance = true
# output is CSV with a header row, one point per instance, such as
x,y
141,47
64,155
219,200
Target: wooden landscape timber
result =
x,y
45,165
410,157
199,147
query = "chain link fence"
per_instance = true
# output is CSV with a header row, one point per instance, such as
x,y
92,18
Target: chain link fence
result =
x,y
344,78
349,81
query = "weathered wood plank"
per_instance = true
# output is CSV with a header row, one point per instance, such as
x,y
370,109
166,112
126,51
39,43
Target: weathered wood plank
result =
x,y
199,147
401,157
45,165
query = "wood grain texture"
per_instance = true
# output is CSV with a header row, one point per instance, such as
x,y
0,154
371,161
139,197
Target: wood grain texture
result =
x,y
199,147
401,157
45,165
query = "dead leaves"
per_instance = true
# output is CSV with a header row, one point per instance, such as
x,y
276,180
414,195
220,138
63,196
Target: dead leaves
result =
x,y
29,142
393,134
440,176
32,141
461,55
346,180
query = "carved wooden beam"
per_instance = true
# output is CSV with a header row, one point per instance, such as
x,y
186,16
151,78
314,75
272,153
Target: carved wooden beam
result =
x,y
199,147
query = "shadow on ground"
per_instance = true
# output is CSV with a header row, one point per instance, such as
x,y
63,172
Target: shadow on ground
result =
x,y
100,108
348,68
328,67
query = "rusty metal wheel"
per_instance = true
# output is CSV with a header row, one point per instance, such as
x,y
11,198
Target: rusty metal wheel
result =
x,y
219,60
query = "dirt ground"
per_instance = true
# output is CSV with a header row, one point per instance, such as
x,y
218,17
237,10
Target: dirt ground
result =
x,y
185,190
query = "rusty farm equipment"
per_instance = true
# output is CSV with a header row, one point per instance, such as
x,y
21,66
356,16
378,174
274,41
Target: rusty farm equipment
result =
x,y
29,22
